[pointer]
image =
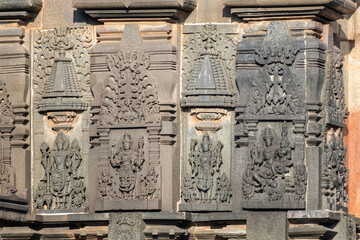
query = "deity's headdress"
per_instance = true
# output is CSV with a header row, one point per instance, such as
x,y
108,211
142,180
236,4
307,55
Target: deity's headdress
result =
x,y
127,137
206,139
267,134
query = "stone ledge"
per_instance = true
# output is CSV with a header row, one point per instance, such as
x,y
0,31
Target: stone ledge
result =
x,y
19,9
259,10
135,10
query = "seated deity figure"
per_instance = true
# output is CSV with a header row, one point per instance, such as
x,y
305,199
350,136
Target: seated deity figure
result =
x,y
264,171
127,160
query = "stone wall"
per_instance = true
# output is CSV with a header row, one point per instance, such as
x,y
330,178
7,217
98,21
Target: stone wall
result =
x,y
178,119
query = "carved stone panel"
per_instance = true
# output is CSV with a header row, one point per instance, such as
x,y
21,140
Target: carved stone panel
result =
x,y
132,120
75,41
335,174
61,116
130,177
208,66
271,117
7,117
273,178
62,186
126,226
208,97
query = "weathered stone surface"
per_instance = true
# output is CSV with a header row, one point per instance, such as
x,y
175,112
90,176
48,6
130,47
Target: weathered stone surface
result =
x,y
19,9
125,226
274,224
178,119
109,10
132,121
254,10
208,95
273,121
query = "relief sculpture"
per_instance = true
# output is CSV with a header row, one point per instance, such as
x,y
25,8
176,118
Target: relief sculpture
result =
x,y
275,88
335,174
62,187
7,117
125,179
78,41
202,186
271,174
129,96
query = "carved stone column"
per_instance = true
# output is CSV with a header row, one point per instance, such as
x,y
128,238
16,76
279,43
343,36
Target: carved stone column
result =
x,y
14,106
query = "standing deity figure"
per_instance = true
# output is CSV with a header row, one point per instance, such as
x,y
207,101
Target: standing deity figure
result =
x,y
128,161
61,187
205,159
264,172
60,168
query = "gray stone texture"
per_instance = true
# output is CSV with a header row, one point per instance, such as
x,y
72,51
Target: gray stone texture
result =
x,y
266,225
174,119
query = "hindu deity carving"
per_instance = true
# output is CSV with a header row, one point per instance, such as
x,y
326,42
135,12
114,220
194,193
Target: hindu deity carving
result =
x,y
271,173
336,107
62,186
6,179
205,160
335,173
275,89
126,179
78,41
127,161
129,96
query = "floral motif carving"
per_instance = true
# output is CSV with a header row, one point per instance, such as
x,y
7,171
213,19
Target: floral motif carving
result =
x,y
336,107
6,112
126,179
129,95
271,173
335,174
275,89
76,41
205,160
62,187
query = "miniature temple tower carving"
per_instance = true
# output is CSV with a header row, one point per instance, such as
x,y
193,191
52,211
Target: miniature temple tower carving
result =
x,y
207,99
127,122
60,100
271,123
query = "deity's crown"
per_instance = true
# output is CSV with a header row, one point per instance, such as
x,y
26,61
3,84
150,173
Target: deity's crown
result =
x,y
127,137
267,134
206,138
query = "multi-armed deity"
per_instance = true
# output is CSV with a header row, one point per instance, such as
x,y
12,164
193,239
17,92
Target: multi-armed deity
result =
x,y
127,160
205,159
271,170
126,179
62,187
